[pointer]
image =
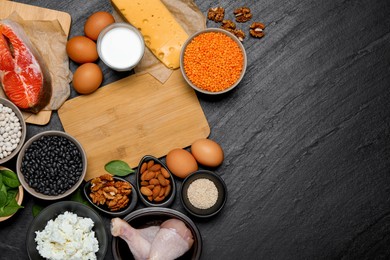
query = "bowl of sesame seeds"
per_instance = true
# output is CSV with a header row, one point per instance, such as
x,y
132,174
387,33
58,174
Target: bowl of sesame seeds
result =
x,y
213,61
203,193
12,130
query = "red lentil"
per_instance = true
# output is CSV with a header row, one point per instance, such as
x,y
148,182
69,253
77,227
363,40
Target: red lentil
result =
x,y
213,61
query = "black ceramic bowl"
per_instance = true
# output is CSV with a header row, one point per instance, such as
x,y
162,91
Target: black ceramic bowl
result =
x,y
169,198
152,216
133,197
52,211
221,198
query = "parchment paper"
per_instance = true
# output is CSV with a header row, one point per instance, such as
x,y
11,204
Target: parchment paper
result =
x,y
188,15
49,39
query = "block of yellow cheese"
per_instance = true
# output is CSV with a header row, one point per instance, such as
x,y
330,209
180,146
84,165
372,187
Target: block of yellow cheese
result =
x,y
163,35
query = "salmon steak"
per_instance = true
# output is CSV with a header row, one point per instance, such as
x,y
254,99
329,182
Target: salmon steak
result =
x,y
24,75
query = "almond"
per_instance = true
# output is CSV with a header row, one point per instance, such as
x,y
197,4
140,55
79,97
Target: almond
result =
x,y
151,187
154,181
144,183
156,191
167,190
150,164
146,191
149,175
155,167
162,191
143,167
162,180
165,173
143,175
159,198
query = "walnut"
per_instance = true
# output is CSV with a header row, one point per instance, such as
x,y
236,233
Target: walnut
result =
x,y
118,202
98,197
106,177
106,191
216,14
228,24
256,29
242,14
239,34
123,187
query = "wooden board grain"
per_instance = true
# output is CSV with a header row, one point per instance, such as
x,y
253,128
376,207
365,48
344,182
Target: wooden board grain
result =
x,y
133,117
30,12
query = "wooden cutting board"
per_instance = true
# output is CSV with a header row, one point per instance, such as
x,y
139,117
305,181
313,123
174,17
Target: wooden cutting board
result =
x,y
29,12
133,117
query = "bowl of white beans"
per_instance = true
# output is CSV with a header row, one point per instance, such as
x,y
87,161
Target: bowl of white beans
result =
x,y
12,130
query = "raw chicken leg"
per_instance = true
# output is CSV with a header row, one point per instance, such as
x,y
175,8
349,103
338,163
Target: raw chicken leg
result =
x,y
138,240
166,242
171,241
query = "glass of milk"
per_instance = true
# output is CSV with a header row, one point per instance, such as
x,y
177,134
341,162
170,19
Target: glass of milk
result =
x,y
120,46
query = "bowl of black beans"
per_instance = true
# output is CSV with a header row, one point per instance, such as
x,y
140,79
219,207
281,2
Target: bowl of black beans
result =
x,y
51,165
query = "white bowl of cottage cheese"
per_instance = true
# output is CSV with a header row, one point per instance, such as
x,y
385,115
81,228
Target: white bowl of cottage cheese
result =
x,y
67,230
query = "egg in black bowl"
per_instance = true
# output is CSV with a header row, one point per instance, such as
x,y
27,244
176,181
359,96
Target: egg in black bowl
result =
x,y
203,193
155,184
155,216
103,203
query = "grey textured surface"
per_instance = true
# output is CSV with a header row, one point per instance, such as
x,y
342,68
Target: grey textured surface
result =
x,y
306,135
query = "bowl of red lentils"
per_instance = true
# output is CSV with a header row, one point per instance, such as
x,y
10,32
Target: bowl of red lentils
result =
x,y
213,61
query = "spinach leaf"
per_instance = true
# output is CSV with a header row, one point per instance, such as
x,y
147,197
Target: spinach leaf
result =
x,y
118,168
10,208
10,178
3,198
11,194
3,188
36,209
78,197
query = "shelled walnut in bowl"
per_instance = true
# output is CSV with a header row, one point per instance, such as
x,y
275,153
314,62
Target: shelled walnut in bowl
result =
x,y
111,194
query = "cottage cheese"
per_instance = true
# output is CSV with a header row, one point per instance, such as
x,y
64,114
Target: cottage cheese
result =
x,y
67,237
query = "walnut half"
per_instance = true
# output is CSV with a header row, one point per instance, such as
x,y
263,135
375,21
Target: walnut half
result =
x,y
256,29
216,14
242,14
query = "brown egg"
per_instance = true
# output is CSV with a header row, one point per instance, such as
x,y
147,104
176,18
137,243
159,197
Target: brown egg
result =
x,y
96,23
87,78
81,49
207,152
181,162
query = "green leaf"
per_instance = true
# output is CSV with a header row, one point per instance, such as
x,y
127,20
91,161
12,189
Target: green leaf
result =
x,y
11,194
3,188
78,196
118,168
10,178
36,209
3,198
10,209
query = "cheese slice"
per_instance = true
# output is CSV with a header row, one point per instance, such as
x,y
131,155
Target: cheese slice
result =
x,y
163,35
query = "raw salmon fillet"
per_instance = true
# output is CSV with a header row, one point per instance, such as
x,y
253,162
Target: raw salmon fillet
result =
x,y
24,76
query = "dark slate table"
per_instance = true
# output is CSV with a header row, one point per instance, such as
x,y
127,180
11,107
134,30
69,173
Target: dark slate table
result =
x,y
306,135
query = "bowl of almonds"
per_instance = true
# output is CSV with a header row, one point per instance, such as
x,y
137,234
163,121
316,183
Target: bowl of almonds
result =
x,y
112,195
155,183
